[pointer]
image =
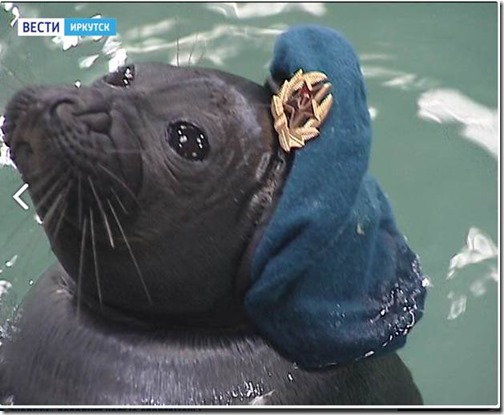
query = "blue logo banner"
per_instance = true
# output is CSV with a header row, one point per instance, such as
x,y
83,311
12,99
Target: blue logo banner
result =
x,y
90,27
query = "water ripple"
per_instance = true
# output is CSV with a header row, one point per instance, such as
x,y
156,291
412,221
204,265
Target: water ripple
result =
x,y
212,45
393,78
253,10
480,124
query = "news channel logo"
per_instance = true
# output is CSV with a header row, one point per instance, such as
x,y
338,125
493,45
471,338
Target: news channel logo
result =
x,y
67,27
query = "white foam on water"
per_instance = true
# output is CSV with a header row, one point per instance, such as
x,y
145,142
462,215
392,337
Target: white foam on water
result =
x,y
480,124
479,248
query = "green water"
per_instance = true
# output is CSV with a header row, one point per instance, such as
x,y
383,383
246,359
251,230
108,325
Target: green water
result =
x,y
432,76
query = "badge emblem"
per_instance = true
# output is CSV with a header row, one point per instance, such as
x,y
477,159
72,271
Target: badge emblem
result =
x,y
300,107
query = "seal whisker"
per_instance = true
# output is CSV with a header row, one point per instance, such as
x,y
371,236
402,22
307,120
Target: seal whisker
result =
x,y
95,257
81,266
62,215
203,52
104,215
52,209
178,45
135,263
119,202
44,179
118,180
49,219
49,192
79,199
192,49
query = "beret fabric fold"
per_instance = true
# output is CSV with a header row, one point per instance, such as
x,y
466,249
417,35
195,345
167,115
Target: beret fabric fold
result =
x,y
333,279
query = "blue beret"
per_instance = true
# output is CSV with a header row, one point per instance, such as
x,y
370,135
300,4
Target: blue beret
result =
x,y
333,279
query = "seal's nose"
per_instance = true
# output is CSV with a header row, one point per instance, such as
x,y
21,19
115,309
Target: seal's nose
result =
x,y
34,101
85,105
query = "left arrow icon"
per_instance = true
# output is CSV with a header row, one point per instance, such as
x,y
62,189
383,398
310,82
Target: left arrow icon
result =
x,y
17,195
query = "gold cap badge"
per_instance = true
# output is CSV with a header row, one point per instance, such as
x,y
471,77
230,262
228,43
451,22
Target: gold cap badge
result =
x,y
300,107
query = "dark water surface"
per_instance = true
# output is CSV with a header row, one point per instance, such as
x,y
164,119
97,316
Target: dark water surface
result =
x,y
432,76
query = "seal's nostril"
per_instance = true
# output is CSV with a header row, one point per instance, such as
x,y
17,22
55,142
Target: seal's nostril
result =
x,y
96,121
61,108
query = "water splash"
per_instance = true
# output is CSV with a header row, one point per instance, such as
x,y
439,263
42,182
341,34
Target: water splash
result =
x,y
479,247
114,50
5,286
13,10
8,302
87,61
5,159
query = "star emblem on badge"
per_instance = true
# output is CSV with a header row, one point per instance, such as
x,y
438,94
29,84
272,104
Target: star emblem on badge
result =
x,y
300,107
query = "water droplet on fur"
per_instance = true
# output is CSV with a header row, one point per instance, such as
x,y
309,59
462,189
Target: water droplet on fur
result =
x,y
426,282
249,389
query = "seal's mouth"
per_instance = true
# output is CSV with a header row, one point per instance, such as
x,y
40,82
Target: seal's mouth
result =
x,y
65,144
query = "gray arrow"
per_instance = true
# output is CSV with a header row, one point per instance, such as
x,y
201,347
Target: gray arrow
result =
x,y
18,199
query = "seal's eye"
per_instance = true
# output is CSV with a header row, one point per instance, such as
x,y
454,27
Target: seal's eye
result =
x,y
122,77
188,141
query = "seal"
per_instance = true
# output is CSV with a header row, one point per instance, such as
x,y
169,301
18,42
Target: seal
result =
x,y
154,185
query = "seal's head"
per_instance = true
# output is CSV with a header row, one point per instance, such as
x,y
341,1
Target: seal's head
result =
x,y
165,193
150,183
